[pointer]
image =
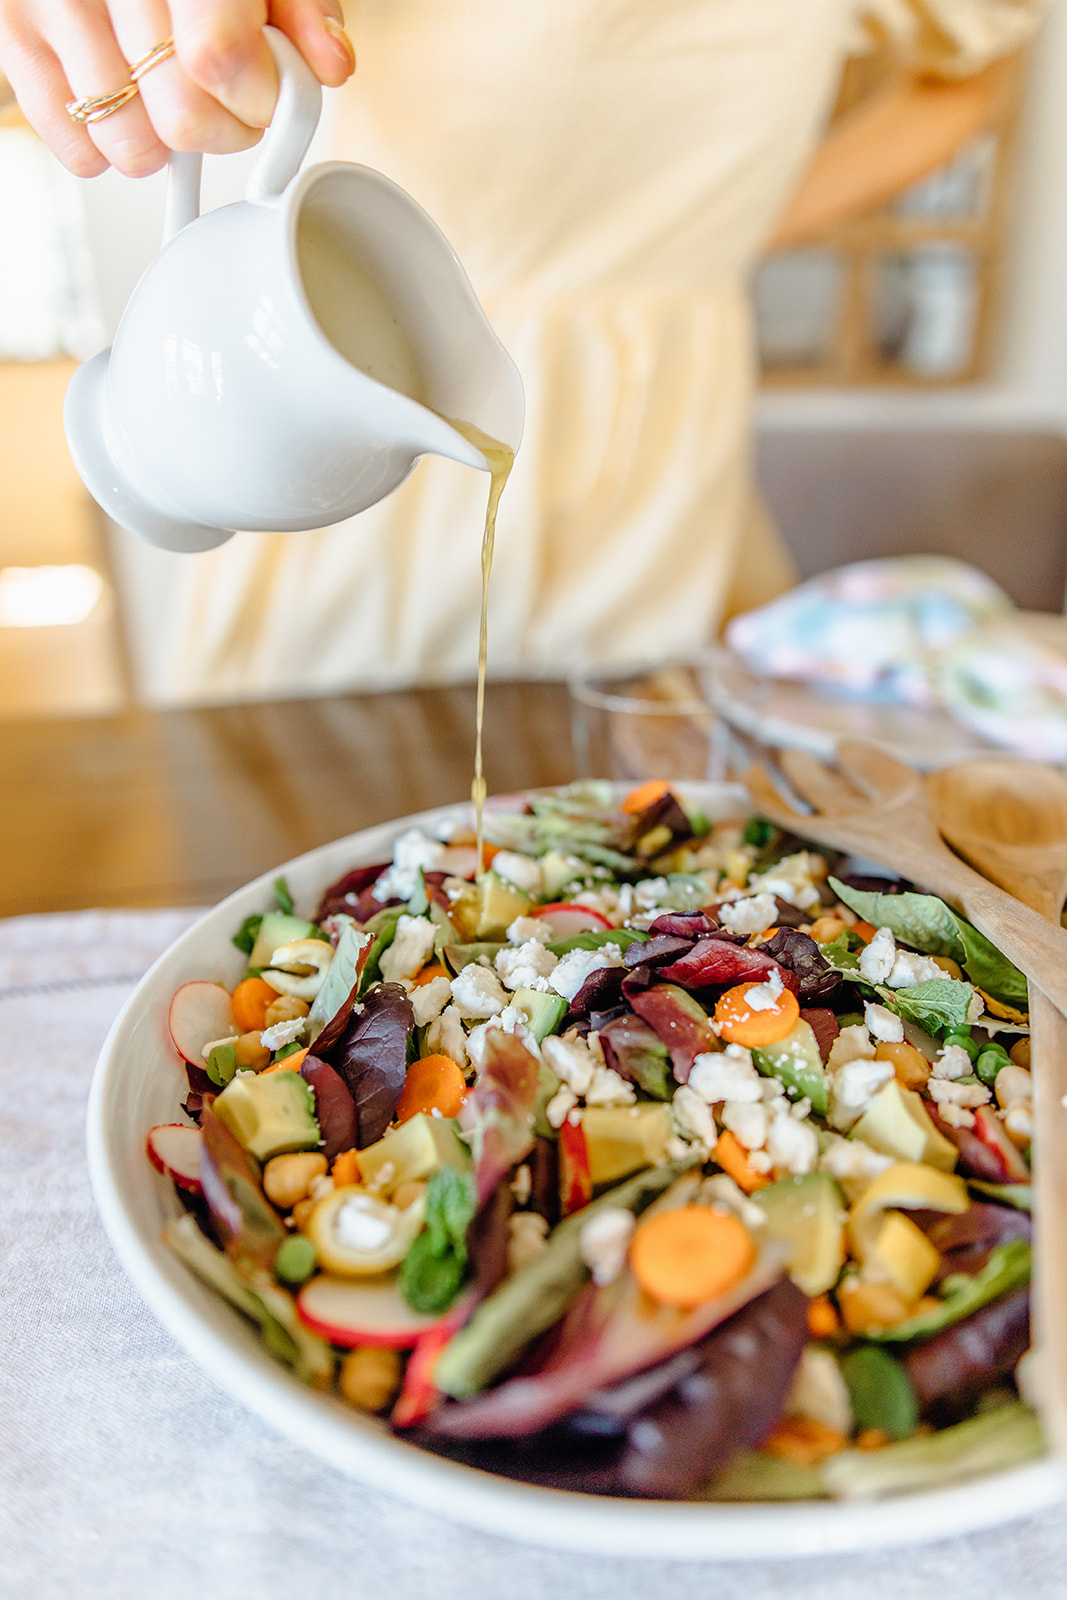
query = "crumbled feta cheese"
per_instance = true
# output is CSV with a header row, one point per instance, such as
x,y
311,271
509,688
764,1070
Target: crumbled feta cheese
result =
x,y
725,1192
561,1105
527,1236
430,999
791,879
510,1020
694,1117
952,1062
853,1086
524,928
956,1116
792,1145
282,1033
571,971
750,915
478,992
608,1088
910,969
882,1023
605,900
604,1241
648,893
726,1075
765,996
1012,1083
748,1123
446,1036
819,1392
527,966
877,957
413,852
975,1007
852,1044
521,871
945,1092
411,948
320,1186
854,1164
572,1060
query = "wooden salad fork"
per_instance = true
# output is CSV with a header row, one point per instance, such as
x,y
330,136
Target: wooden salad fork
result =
x,y
1008,818
874,806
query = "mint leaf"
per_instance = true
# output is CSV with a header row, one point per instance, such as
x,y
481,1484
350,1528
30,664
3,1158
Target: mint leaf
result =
x,y
936,1005
285,899
432,1272
880,1391
247,934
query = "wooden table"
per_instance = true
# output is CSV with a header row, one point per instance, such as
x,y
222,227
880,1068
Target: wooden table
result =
x,y
181,807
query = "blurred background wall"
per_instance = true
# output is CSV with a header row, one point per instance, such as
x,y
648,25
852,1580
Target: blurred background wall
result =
x,y
927,410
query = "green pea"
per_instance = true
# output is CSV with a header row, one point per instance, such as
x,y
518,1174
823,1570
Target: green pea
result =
x,y
295,1260
989,1064
965,1041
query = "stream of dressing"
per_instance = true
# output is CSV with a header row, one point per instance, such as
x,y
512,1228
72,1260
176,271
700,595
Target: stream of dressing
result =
x,y
500,459
357,315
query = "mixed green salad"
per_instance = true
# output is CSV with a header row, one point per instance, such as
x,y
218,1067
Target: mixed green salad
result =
x,y
647,1155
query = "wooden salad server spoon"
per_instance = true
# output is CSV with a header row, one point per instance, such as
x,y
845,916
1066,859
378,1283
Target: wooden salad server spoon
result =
x,y
1008,818
874,806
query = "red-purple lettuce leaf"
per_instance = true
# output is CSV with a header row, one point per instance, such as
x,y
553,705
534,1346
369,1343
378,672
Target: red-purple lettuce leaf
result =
x,y
816,978
372,1058
824,1025
637,1053
497,1116
346,893
247,1225
335,1109
950,1371
688,925
657,949
332,1006
714,960
679,1021
609,1333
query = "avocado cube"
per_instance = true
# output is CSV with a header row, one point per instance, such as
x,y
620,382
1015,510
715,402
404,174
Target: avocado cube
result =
x,y
808,1214
499,904
623,1139
418,1147
796,1062
269,1115
543,1011
896,1123
276,929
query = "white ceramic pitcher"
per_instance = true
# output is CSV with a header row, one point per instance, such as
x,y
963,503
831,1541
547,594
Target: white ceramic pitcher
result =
x,y
223,403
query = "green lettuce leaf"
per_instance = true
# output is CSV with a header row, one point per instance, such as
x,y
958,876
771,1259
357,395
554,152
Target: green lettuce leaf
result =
x,y
992,1442
1008,1268
930,926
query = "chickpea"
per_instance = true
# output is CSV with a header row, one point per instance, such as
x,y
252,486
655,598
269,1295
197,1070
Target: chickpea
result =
x,y
370,1377
407,1193
1020,1053
910,1065
302,1213
287,1179
249,1054
285,1009
824,930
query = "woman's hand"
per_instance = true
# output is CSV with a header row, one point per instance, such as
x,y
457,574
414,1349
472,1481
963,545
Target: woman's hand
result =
x,y
215,93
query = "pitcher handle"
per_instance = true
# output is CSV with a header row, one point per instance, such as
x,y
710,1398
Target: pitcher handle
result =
x,y
285,144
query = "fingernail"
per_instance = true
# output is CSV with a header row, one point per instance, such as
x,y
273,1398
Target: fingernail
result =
x,y
344,43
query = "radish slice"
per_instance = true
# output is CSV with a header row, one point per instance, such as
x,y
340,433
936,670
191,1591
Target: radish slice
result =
x,y
174,1149
563,919
348,1313
199,1013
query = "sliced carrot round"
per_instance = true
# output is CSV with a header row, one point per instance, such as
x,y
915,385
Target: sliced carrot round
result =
x,y
433,1083
755,1026
428,974
645,795
690,1255
250,1000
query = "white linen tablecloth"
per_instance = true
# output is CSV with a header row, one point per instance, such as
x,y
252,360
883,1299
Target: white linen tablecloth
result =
x,y
125,1472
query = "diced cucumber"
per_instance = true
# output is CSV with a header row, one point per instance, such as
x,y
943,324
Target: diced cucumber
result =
x,y
544,1012
276,929
808,1214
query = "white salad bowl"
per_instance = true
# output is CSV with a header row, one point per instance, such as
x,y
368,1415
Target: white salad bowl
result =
x,y
139,1081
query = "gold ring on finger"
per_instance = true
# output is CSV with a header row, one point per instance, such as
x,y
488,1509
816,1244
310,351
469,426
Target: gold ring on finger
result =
x,y
152,58
94,107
